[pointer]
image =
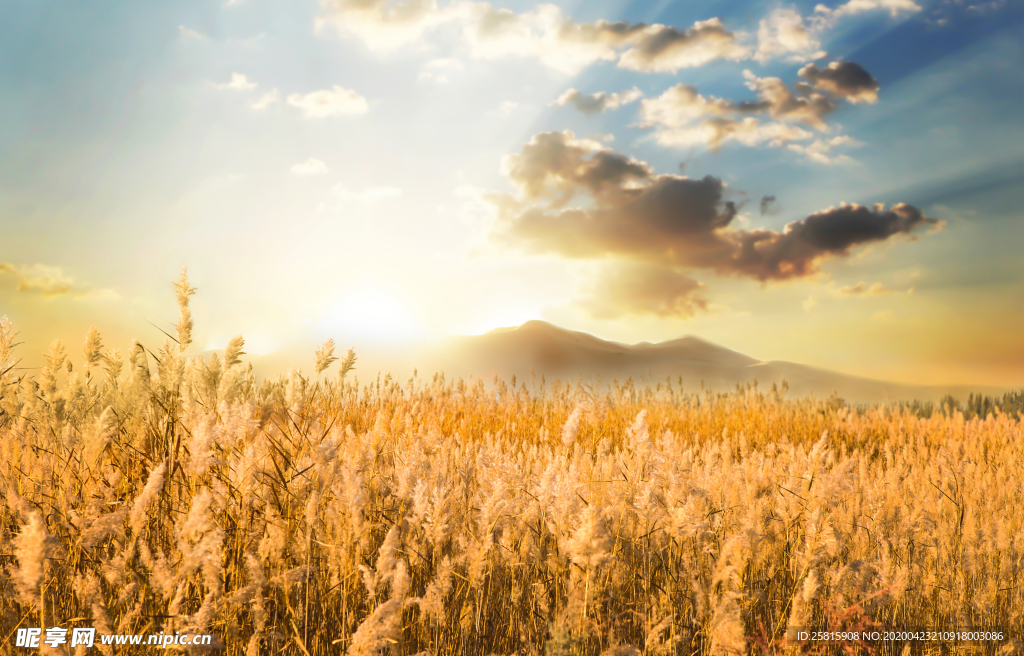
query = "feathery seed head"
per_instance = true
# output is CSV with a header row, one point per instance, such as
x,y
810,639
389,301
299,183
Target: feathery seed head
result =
x,y
325,356
7,344
91,349
348,363
183,290
32,546
233,353
154,484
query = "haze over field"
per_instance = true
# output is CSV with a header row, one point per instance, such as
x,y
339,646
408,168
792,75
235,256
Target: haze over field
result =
x,y
540,349
838,185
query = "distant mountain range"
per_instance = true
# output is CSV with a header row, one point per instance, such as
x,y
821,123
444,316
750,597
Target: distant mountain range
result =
x,y
540,347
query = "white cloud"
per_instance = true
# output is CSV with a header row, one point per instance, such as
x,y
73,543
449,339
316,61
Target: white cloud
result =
x,y
683,117
383,25
339,198
266,100
336,101
436,69
507,107
783,33
558,41
238,82
820,150
544,32
445,63
786,33
189,33
747,131
311,166
894,7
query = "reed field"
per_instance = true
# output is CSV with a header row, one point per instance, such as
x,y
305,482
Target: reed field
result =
x,y
146,491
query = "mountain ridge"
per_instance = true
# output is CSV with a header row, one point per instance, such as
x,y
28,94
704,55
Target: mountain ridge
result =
x,y
541,348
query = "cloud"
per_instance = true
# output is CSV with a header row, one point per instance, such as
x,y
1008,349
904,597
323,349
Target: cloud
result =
x,y
341,198
507,107
945,11
637,289
843,79
49,281
336,101
558,41
189,33
666,49
597,103
863,289
266,100
38,279
681,116
820,150
445,63
766,204
311,166
381,24
784,33
780,102
668,220
238,82
434,69
544,32
853,7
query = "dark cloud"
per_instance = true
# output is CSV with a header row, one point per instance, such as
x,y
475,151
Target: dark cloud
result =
x,y
834,232
667,49
557,164
668,220
623,289
781,103
844,79
766,204
600,31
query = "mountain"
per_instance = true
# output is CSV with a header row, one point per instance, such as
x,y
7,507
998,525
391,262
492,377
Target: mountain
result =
x,y
544,349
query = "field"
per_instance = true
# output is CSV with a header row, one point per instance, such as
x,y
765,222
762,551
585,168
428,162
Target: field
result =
x,y
316,514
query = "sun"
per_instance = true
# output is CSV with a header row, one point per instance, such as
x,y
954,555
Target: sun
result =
x,y
372,314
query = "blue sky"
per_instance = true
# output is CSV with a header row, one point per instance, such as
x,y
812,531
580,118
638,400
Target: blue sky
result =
x,y
346,169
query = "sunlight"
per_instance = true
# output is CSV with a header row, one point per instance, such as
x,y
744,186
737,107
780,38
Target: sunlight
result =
x,y
501,317
371,313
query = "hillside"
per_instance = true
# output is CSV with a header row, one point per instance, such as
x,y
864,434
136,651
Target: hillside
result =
x,y
551,351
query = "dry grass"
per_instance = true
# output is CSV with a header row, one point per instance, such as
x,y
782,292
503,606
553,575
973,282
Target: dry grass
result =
x,y
317,516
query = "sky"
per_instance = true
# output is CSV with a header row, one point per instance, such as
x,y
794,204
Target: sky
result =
x,y
837,184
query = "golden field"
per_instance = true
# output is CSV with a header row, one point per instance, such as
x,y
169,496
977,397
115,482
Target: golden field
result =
x,y
150,492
